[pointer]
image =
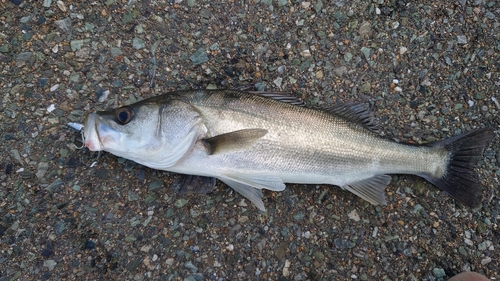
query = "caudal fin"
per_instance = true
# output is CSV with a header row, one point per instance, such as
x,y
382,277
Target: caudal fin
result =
x,y
460,180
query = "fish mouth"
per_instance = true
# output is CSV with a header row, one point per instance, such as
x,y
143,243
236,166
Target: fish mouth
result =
x,y
90,134
98,135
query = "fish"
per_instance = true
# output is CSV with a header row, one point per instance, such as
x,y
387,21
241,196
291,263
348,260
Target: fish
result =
x,y
255,141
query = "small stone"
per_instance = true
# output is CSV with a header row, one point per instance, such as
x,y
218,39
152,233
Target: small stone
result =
x,y
278,82
189,265
47,3
180,203
347,56
299,216
42,169
199,57
61,6
23,57
137,43
64,24
438,272
366,52
319,74
132,196
50,264
353,215
461,39
318,6
286,271
319,256
341,243
116,52
486,261
76,44
365,29
155,184
365,88
25,19
306,53
402,50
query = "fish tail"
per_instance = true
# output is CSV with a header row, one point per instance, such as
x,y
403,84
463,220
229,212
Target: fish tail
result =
x,y
460,180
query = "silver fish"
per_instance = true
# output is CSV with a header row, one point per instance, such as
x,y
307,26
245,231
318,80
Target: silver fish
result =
x,y
252,142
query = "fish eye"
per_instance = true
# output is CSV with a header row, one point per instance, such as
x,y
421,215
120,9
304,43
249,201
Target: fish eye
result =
x,y
124,115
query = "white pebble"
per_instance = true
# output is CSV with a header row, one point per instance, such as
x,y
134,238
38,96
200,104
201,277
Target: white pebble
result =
x,y
51,108
402,50
61,6
278,82
353,215
306,53
55,87
286,272
486,260
471,103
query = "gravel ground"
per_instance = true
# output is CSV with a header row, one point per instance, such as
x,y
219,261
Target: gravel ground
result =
x,y
429,70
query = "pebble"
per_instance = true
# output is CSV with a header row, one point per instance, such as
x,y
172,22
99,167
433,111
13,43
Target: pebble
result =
x,y
353,215
50,264
199,57
137,43
42,169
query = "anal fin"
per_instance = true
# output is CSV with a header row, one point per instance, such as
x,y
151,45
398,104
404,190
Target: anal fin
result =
x,y
371,189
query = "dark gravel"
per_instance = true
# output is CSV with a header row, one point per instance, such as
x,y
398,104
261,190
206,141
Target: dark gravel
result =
x,y
429,69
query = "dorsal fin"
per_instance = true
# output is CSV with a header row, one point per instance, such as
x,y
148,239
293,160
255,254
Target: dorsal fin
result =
x,y
358,113
280,96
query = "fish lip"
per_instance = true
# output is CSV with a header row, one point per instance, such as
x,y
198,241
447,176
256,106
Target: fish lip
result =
x,y
90,133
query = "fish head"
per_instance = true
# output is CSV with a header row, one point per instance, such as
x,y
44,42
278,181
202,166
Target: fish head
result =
x,y
155,134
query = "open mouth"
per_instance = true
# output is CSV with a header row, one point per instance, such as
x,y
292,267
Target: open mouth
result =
x,y
90,134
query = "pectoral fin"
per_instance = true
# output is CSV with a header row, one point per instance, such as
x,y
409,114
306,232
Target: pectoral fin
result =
x,y
250,185
371,190
233,141
190,184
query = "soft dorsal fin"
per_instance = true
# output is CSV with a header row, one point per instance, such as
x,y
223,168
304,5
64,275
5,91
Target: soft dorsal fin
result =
x,y
233,141
358,113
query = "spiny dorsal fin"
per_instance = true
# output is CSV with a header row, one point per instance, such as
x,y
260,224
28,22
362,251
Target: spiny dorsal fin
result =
x,y
233,141
285,97
282,97
358,113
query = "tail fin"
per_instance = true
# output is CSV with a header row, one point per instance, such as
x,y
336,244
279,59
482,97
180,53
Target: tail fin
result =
x,y
460,180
